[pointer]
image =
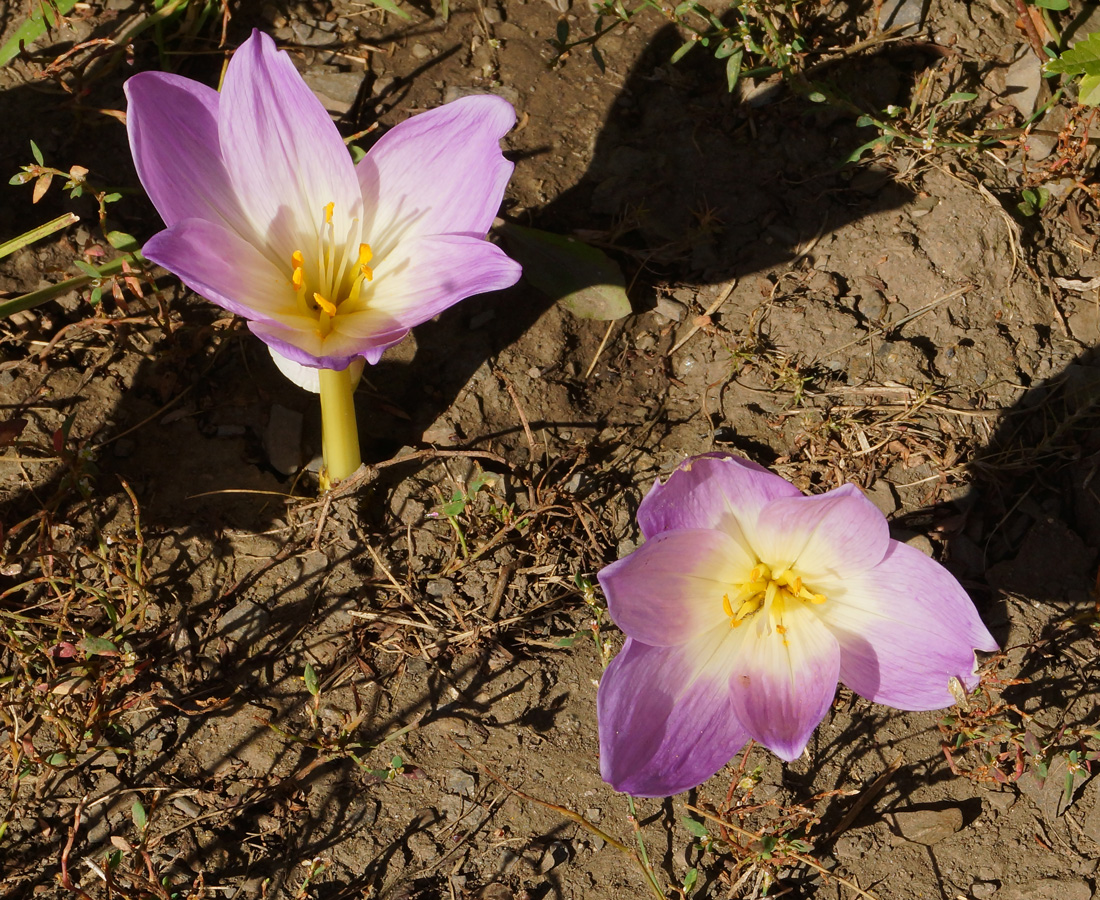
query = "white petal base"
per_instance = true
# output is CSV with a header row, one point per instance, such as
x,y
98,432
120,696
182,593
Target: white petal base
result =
x,y
307,376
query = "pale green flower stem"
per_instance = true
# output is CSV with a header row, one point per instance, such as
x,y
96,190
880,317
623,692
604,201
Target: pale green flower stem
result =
x,y
339,433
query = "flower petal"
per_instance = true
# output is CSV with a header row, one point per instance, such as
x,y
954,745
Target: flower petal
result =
x,y
172,123
664,726
308,377
721,492
283,153
440,172
423,277
833,535
904,629
782,685
670,589
224,268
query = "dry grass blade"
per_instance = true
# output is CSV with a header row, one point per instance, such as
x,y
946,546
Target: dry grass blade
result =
x,y
802,858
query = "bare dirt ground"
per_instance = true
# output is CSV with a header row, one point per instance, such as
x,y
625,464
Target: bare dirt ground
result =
x,y
217,685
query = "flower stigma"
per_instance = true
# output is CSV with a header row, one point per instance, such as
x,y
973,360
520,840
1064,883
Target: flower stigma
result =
x,y
768,592
331,280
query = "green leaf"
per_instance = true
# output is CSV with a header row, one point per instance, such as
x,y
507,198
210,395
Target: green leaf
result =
x,y
60,760
390,6
681,51
697,828
733,68
585,280
1067,793
87,268
37,154
445,9
479,481
690,877
456,505
112,198
309,676
120,240
883,140
97,646
959,97
137,812
1052,4
1088,92
1083,58
726,48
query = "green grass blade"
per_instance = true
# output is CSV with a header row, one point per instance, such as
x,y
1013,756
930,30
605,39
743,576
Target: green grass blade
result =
x,y
44,15
37,298
36,234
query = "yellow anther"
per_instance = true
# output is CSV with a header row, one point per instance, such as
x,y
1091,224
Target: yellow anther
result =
x,y
329,207
326,305
770,592
365,256
298,275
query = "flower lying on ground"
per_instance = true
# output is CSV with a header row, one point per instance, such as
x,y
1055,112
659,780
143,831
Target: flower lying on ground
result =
x,y
269,218
746,604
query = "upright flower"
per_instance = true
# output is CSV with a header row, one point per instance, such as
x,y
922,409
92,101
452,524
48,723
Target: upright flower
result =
x,y
329,262
742,609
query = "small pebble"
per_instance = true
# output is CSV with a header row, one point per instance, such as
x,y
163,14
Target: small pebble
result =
x,y
928,826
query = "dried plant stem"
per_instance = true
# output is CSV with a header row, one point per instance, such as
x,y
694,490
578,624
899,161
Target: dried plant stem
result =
x,y
1032,32
805,860
643,856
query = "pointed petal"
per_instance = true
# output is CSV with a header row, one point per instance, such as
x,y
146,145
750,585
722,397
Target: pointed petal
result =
x,y
783,685
283,153
423,277
833,535
670,589
172,123
904,629
440,172
722,492
225,269
664,726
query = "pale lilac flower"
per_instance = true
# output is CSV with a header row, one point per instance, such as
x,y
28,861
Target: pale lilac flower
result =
x,y
269,218
746,604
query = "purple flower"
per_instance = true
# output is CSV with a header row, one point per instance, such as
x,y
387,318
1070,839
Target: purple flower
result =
x,y
746,604
269,218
